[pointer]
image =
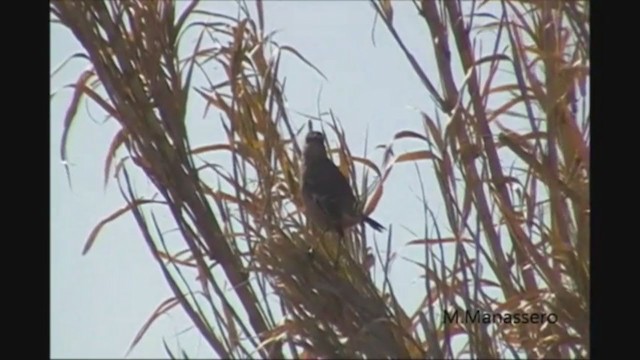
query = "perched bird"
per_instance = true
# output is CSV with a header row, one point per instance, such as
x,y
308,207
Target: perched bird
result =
x,y
328,199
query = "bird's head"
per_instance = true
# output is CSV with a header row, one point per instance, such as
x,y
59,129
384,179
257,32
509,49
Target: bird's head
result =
x,y
314,146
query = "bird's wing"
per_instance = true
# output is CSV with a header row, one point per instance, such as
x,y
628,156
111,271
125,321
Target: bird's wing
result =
x,y
325,181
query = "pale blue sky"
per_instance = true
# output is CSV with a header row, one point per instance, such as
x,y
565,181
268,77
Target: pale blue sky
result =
x,y
100,301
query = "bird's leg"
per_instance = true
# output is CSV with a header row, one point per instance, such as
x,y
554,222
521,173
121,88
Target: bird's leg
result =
x,y
339,248
321,241
338,251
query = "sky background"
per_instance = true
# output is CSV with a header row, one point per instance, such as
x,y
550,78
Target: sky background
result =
x,y
100,301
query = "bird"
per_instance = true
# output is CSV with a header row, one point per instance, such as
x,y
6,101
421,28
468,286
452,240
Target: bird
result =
x,y
328,199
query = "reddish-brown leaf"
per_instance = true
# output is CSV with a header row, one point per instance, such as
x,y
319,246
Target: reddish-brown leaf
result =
x,y
96,230
117,141
164,307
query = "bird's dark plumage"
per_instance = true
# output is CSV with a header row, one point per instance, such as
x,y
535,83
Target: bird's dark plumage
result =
x,y
328,197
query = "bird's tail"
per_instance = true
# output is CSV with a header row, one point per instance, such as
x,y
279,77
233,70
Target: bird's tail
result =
x,y
374,224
